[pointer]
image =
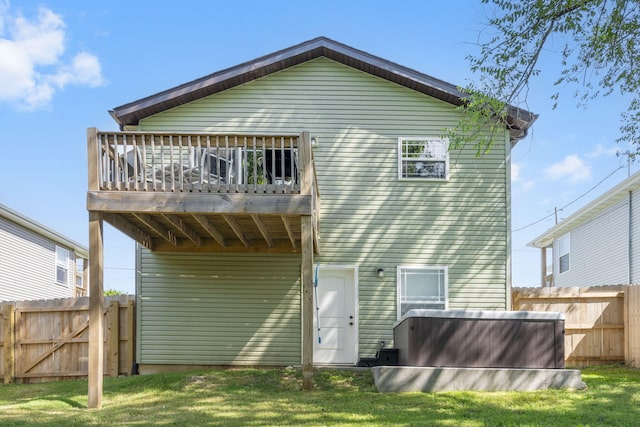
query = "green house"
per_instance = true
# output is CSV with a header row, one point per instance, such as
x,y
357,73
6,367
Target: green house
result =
x,y
290,209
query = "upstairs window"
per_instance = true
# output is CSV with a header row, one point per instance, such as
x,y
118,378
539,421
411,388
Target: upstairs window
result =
x,y
62,266
423,159
421,288
564,253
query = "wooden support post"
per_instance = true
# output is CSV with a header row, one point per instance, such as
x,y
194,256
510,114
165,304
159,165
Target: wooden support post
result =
x,y
307,302
306,186
9,343
96,310
93,154
113,339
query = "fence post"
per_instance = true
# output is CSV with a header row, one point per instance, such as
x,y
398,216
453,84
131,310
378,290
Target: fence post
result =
x,y
113,338
131,334
632,326
9,343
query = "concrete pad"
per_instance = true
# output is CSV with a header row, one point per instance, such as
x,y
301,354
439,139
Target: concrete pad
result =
x,y
413,378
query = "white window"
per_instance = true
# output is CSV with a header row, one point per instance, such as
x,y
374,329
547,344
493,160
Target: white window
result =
x,y
79,283
564,253
423,159
421,287
62,266
79,269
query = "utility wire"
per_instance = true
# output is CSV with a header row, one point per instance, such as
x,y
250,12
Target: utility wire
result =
x,y
571,202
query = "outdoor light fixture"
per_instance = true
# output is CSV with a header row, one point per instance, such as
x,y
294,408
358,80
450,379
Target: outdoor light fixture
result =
x,y
314,141
380,272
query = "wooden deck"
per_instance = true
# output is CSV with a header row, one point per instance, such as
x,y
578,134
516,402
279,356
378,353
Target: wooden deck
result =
x,y
201,192
204,192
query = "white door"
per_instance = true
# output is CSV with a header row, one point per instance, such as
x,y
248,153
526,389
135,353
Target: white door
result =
x,y
336,320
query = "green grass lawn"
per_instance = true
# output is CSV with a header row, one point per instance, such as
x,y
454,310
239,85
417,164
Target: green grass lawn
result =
x,y
272,397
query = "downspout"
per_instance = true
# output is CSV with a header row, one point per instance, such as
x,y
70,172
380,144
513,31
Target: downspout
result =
x,y
543,267
629,240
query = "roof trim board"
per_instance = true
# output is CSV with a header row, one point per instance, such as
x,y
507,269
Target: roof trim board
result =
x,y
130,114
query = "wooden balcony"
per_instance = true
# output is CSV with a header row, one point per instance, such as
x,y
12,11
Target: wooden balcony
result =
x,y
185,192
204,191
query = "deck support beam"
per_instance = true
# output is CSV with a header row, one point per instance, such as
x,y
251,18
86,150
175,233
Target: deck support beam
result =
x,y
161,230
263,230
236,229
177,222
307,302
96,309
127,228
306,246
96,295
287,226
213,232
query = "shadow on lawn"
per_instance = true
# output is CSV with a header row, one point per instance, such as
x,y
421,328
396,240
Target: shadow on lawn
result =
x,y
273,397
268,397
72,403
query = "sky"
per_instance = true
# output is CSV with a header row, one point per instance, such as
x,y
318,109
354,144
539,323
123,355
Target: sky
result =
x,y
64,65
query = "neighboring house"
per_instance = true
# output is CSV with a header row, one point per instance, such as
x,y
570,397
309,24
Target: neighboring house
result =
x,y
317,161
597,245
37,262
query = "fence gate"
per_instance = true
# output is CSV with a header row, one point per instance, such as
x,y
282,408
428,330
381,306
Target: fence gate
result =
x,y
49,339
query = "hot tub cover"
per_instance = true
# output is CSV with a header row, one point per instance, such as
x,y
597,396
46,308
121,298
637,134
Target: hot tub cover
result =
x,y
482,314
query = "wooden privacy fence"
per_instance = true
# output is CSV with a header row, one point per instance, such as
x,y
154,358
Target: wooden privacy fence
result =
x,y
602,324
48,340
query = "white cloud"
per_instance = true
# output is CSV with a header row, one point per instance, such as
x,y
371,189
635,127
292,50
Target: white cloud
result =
x,y
83,70
601,150
516,168
515,172
32,61
572,168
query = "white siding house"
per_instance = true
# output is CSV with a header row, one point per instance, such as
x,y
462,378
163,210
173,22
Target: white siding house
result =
x,y
597,245
37,262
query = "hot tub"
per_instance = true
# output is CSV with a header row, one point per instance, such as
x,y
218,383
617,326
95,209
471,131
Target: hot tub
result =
x,y
480,339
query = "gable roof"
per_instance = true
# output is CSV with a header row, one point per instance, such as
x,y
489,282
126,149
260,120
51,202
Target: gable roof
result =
x,y
519,120
588,212
30,224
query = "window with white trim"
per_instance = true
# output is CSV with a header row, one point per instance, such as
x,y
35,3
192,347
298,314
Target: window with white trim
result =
x,y
423,159
564,253
62,266
421,287
79,267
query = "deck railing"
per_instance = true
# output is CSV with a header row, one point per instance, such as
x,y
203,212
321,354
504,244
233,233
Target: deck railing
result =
x,y
197,162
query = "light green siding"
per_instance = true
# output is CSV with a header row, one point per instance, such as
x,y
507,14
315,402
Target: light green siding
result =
x,y
202,309
368,216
